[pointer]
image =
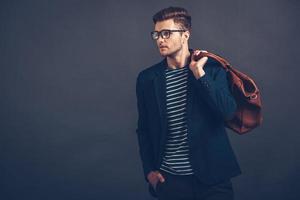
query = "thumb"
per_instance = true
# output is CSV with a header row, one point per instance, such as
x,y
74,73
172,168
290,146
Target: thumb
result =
x,y
160,177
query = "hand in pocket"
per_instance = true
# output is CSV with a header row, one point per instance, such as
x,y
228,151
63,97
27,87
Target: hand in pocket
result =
x,y
154,177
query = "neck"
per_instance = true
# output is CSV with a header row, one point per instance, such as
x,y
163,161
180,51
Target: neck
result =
x,y
179,59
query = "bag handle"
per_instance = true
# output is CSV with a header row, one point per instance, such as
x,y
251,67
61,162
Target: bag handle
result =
x,y
225,64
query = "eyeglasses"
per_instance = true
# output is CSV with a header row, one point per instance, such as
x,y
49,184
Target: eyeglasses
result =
x,y
165,34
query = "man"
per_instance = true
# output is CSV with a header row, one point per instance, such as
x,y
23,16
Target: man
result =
x,y
182,106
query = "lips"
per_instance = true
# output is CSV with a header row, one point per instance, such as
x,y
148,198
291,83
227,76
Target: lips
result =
x,y
163,47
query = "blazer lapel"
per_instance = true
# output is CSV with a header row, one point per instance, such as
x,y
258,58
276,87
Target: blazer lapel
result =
x,y
160,93
190,99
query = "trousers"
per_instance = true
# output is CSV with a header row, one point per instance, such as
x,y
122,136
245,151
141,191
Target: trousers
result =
x,y
188,187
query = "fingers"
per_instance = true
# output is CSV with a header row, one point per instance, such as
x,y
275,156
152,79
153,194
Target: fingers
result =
x,y
198,51
204,58
197,54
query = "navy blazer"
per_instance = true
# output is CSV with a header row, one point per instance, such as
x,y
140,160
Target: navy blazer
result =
x,y
209,104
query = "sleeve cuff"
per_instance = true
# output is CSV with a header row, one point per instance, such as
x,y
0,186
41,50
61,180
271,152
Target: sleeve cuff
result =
x,y
204,81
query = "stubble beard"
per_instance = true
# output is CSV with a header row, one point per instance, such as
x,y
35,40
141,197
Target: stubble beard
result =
x,y
173,53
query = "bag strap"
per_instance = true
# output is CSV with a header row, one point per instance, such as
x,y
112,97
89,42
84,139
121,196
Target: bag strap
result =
x,y
225,64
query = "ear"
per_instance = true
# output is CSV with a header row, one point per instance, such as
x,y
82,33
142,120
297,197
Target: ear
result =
x,y
186,35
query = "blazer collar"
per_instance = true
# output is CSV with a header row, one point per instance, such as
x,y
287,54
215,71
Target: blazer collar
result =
x,y
160,81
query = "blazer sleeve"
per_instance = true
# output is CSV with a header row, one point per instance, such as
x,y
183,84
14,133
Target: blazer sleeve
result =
x,y
144,141
214,89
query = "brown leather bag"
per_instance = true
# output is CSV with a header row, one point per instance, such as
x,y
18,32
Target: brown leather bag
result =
x,y
246,93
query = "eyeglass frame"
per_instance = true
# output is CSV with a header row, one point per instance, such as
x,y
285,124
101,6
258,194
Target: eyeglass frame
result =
x,y
170,31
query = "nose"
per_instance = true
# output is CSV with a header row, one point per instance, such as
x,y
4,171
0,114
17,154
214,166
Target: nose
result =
x,y
160,39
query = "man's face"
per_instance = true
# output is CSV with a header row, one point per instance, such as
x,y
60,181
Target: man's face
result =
x,y
173,44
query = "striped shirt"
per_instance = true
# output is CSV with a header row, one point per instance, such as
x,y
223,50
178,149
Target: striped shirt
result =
x,y
176,155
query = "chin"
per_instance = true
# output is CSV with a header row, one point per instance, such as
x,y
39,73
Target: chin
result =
x,y
164,53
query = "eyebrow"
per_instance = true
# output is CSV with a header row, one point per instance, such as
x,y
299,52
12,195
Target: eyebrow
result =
x,y
164,29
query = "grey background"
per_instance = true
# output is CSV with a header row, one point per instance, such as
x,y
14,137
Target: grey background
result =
x,y
67,94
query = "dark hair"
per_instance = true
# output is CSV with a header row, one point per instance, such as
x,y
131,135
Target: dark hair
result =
x,y
178,14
